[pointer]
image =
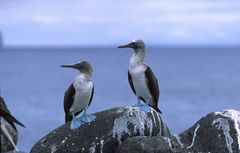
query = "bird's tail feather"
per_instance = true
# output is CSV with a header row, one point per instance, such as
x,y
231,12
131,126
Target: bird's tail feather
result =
x,y
16,121
157,109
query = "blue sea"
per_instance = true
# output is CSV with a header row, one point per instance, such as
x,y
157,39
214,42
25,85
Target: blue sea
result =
x,y
193,83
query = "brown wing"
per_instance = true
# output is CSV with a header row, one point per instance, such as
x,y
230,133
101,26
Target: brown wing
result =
x,y
5,113
131,82
68,102
91,96
152,83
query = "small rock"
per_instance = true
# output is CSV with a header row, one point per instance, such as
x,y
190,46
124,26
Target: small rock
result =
x,y
104,134
218,132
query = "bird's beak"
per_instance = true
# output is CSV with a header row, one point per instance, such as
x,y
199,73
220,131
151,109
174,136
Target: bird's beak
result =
x,y
131,45
69,66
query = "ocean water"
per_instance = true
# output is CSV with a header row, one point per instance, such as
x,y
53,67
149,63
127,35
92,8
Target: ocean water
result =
x,y
193,83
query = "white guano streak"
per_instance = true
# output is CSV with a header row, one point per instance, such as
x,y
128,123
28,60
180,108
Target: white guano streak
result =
x,y
222,124
135,116
178,139
235,117
5,131
194,136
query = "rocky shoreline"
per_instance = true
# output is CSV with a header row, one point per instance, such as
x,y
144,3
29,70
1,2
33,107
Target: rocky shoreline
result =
x,y
130,130
105,134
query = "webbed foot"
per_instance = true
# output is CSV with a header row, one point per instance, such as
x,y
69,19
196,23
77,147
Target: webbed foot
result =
x,y
75,123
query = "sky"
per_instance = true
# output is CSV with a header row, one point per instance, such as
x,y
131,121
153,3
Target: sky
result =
x,y
109,22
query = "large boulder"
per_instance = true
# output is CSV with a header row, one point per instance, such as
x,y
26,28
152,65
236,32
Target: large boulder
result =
x,y
104,134
150,144
218,132
5,143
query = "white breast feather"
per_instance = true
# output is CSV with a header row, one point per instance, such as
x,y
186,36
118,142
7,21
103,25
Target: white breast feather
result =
x,y
137,71
83,93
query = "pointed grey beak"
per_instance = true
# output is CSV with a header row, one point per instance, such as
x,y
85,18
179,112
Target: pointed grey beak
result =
x,y
69,66
131,45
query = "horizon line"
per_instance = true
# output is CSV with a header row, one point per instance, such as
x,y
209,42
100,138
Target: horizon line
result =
x,y
115,46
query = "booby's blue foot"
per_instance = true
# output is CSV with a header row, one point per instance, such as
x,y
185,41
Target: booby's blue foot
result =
x,y
88,118
145,108
138,104
75,123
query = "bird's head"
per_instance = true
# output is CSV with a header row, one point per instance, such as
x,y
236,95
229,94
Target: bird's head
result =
x,y
136,44
82,66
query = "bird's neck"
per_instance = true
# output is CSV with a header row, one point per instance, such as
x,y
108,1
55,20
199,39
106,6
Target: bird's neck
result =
x,y
83,76
138,57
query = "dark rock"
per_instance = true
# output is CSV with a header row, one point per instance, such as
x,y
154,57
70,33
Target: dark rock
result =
x,y
5,143
110,128
14,151
218,132
176,146
150,144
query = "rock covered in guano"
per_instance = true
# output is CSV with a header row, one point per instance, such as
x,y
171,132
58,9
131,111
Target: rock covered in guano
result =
x,y
5,143
218,132
104,134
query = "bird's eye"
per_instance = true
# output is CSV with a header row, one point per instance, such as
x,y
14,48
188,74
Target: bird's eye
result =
x,y
136,44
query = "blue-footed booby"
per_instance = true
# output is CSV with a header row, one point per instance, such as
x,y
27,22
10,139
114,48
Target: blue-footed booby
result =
x,y
78,96
142,80
7,117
